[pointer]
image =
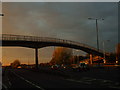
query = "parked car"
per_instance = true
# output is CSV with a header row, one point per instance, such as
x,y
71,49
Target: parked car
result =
x,y
75,67
83,66
55,66
63,66
80,67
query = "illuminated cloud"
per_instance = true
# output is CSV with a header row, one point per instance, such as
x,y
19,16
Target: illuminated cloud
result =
x,y
66,20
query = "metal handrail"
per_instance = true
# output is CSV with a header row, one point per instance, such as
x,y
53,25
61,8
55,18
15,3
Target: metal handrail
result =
x,y
44,39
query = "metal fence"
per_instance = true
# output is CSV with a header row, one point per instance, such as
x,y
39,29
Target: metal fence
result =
x,y
44,39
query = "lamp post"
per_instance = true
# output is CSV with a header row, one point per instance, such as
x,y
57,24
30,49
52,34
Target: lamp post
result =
x,y
77,56
117,53
73,55
104,60
55,36
96,20
96,30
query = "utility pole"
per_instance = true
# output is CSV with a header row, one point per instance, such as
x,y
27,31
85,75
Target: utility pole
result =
x,y
36,57
96,20
104,60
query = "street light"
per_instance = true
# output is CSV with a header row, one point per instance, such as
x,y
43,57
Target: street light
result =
x,y
104,60
77,56
96,19
73,55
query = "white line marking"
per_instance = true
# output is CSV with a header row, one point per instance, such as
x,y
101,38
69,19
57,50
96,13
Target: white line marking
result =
x,y
78,81
114,87
28,81
9,81
87,80
4,86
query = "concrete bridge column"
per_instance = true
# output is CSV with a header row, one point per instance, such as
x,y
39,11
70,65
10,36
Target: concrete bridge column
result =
x,y
91,58
36,58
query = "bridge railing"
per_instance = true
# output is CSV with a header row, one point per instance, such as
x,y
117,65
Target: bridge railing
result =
x,y
44,39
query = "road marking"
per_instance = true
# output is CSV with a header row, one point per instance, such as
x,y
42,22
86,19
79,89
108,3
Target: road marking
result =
x,y
114,87
78,81
101,82
88,79
1,84
4,86
28,81
9,81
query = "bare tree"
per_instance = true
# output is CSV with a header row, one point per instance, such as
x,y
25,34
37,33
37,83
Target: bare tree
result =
x,y
61,55
15,64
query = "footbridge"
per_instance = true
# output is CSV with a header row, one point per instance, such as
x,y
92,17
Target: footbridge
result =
x,y
40,42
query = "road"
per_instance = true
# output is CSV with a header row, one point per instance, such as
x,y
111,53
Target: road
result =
x,y
96,78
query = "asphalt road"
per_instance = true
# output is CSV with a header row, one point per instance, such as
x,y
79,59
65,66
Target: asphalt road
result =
x,y
96,78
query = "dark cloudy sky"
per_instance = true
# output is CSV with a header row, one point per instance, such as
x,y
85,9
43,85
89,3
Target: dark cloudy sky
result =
x,y
65,20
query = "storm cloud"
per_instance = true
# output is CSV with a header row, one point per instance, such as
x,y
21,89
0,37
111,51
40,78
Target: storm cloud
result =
x,y
65,20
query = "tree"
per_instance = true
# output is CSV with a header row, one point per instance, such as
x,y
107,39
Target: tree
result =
x,y
15,64
61,55
111,58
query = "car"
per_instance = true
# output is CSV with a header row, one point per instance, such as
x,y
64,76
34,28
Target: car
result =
x,y
55,66
80,67
63,66
83,66
75,67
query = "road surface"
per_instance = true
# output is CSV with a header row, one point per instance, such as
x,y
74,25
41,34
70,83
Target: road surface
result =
x,y
98,78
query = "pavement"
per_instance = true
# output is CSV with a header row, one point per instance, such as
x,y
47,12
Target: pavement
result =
x,y
94,78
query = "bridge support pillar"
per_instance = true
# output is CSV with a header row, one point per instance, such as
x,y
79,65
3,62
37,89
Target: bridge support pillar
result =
x,y
36,58
91,59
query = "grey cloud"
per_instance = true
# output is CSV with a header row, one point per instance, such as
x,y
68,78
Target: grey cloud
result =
x,y
66,20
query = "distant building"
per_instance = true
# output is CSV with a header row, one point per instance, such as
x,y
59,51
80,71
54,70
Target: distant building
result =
x,y
95,59
86,61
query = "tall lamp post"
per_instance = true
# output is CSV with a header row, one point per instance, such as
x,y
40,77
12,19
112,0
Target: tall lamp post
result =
x,y
77,56
96,20
104,60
